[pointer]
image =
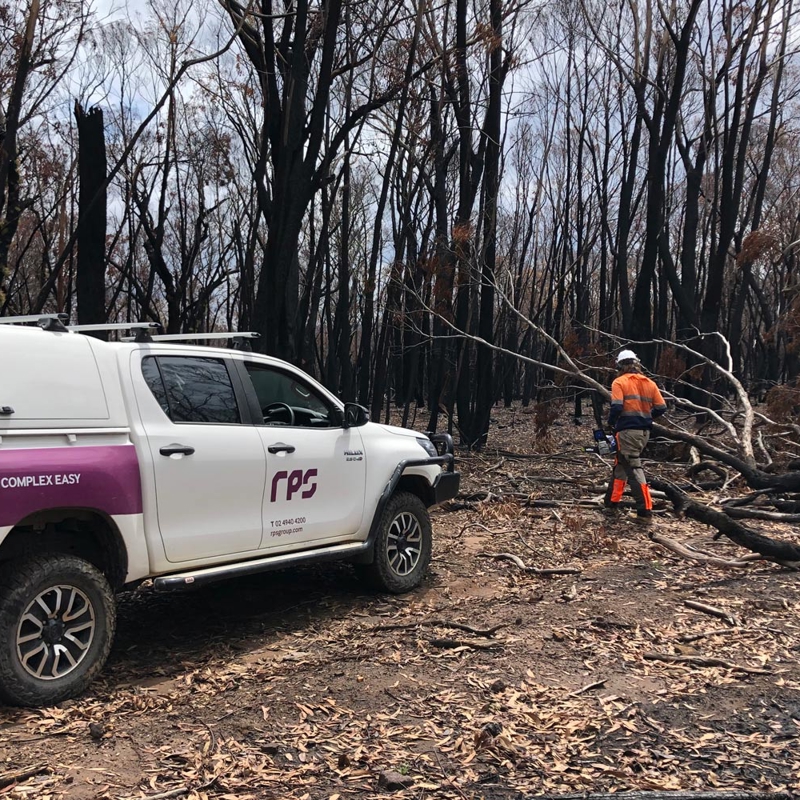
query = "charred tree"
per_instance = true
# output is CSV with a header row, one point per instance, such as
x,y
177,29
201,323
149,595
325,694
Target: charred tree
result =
x,y
10,206
770,549
486,392
661,123
90,278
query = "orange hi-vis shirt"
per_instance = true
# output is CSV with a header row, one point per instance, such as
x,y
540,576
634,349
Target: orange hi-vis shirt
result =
x,y
635,402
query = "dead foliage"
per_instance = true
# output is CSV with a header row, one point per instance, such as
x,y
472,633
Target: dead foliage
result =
x,y
639,670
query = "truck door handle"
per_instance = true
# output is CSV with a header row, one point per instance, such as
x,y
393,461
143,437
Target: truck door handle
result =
x,y
6,411
176,449
280,447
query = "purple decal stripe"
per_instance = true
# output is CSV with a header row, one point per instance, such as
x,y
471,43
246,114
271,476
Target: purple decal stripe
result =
x,y
102,478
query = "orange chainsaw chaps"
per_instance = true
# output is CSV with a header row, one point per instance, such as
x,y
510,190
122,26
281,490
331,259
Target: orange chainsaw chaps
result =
x,y
618,490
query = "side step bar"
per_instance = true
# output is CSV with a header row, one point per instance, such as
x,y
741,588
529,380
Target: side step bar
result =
x,y
201,577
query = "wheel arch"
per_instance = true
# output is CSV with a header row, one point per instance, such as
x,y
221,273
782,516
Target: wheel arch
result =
x,y
84,532
417,485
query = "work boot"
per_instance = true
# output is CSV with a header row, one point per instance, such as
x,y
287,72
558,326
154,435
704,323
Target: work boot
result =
x,y
644,518
611,510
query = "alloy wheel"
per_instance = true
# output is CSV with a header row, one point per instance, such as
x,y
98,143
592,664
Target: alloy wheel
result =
x,y
404,543
55,632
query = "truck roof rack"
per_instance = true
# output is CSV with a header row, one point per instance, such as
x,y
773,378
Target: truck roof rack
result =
x,y
240,340
114,326
142,329
48,322
56,322
32,318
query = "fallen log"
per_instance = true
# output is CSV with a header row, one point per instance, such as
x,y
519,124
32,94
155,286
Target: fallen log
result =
x,y
747,499
784,553
9,778
754,477
694,555
707,466
719,613
756,513
787,505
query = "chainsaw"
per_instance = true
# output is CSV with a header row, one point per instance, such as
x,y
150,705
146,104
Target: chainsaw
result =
x,y
605,444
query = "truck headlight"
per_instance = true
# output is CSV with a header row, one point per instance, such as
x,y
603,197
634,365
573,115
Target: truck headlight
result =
x,y
428,446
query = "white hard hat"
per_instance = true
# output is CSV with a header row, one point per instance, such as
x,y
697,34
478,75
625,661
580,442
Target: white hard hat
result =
x,y
626,355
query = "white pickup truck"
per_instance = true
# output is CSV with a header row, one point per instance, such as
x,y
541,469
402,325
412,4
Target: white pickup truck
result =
x,y
183,464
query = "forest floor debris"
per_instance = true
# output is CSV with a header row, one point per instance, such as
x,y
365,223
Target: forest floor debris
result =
x,y
301,685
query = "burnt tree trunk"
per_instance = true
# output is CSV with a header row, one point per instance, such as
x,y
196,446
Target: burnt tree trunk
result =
x,y
365,356
485,390
10,207
441,362
662,125
90,277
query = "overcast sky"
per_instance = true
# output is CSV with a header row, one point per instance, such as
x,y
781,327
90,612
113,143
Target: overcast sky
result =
x,y
111,9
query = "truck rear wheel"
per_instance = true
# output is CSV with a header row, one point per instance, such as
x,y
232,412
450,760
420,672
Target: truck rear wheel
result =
x,y
403,546
57,622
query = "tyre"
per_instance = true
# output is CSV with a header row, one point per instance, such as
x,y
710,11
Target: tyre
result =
x,y
403,546
57,622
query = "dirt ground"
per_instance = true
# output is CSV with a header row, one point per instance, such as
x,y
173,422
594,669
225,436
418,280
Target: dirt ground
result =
x,y
300,684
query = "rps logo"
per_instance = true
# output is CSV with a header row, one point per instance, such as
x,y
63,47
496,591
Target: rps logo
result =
x,y
295,481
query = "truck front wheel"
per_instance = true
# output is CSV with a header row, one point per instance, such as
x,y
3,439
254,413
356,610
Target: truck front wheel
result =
x,y
403,546
57,621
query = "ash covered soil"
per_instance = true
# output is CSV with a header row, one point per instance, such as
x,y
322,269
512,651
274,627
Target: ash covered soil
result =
x,y
489,682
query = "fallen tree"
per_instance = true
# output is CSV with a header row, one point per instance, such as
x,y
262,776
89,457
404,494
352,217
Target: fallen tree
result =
x,y
784,553
732,431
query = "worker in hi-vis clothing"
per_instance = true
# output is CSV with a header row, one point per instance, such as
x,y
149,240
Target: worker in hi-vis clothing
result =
x,y
635,402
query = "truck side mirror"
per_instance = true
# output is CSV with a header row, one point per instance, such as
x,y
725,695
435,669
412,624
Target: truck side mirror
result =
x,y
355,415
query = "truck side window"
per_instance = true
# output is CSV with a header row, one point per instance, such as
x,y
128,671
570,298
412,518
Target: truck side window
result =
x,y
192,389
153,378
277,392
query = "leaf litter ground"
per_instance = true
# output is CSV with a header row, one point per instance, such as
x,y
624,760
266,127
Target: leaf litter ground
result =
x,y
489,682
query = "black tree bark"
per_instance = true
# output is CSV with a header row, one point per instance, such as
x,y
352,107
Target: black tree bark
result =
x,y
90,277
